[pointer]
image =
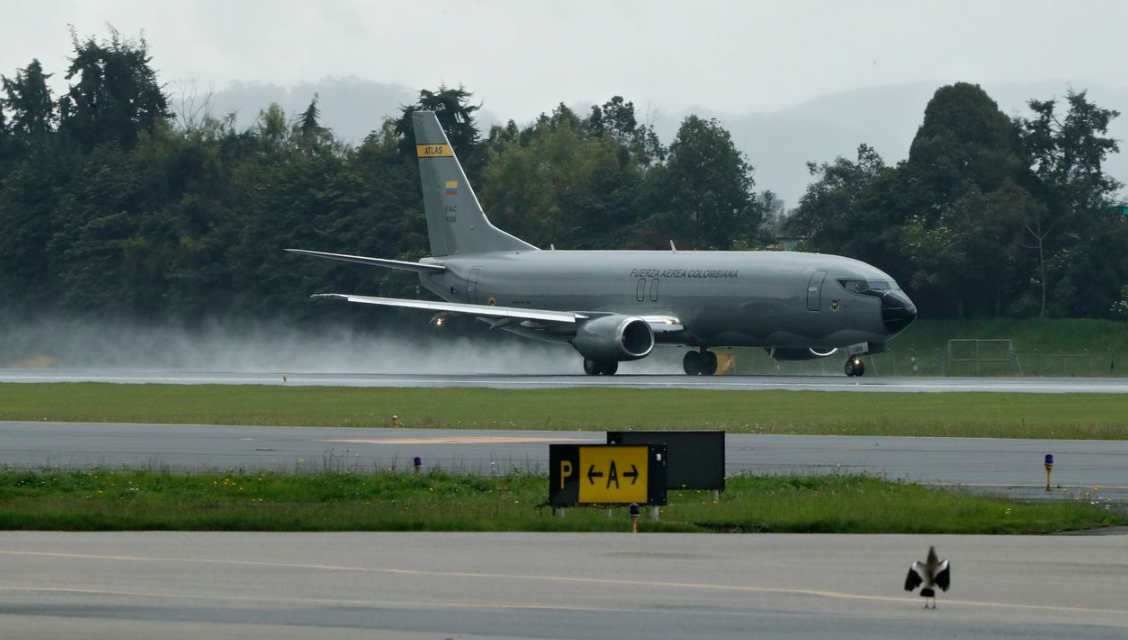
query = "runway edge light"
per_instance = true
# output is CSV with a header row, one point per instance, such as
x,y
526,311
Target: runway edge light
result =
x,y
1049,468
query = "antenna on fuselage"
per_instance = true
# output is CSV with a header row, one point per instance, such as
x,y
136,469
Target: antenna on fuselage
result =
x,y
672,247
552,247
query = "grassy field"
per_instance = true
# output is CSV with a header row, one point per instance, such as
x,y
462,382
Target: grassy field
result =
x,y
1062,335
1062,347
135,500
1056,416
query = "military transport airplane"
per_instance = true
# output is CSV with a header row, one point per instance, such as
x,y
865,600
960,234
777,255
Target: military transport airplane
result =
x,y
613,306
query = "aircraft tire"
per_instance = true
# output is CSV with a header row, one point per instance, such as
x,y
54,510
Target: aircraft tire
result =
x,y
708,363
855,368
609,368
692,363
592,368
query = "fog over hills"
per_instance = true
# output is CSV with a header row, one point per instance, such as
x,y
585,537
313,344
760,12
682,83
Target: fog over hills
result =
x,y
779,143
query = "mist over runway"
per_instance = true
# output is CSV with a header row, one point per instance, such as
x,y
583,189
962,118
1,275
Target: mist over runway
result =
x,y
836,383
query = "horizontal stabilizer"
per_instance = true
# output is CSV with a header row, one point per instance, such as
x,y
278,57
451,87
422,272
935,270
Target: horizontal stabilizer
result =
x,y
479,310
417,267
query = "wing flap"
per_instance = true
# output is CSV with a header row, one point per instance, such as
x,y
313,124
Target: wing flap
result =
x,y
479,310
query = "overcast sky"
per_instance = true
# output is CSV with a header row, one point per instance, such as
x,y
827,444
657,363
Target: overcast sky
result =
x,y
519,57
793,81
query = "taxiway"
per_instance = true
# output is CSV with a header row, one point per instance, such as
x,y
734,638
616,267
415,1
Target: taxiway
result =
x,y
564,586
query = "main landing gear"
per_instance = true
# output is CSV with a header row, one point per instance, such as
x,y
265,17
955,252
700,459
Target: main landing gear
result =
x,y
700,363
600,367
855,367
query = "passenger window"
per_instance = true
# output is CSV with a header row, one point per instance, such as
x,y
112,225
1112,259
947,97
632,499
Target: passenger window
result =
x,y
654,290
640,293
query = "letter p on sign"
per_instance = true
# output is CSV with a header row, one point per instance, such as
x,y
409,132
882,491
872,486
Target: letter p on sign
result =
x,y
565,471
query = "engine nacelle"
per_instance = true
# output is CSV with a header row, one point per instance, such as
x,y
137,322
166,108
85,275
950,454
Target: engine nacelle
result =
x,y
614,338
794,353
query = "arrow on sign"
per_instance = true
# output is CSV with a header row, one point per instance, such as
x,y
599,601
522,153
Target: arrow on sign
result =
x,y
633,475
592,475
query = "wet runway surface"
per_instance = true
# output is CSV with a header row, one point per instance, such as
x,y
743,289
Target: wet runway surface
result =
x,y
563,586
732,383
1098,469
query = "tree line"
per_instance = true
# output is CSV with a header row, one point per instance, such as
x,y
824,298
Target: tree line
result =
x,y
114,202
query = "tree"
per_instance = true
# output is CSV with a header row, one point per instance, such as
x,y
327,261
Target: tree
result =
x,y
832,211
964,143
616,118
308,121
969,254
456,116
28,99
554,187
116,95
709,184
1066,156
308,134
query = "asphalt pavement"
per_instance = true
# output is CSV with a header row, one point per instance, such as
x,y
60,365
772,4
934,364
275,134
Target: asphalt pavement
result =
x,y
562,586
838,383
1097,469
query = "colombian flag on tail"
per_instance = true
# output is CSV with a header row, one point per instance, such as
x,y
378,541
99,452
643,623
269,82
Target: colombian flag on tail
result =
x,y
451,188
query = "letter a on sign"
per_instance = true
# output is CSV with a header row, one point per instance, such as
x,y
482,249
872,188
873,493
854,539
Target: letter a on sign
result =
x,y
604,473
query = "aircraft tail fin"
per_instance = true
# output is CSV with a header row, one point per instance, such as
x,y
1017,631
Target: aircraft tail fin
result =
x,y
456,223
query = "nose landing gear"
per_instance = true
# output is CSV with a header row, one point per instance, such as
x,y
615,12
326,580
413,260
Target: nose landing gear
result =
x,y
702,363
855,367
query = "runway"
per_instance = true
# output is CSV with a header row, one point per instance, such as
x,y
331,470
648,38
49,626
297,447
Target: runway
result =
x,y
1096,469
564,586
729,383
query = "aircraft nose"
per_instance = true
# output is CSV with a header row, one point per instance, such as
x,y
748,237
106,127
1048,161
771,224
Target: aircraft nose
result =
x,y
897,311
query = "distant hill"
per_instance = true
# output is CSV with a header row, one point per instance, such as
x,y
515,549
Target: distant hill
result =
x,y
779,143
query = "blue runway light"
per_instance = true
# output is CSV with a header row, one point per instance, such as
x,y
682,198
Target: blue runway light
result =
x,y
1049,458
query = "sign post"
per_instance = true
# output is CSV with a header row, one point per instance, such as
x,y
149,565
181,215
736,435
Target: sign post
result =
x,y
606,475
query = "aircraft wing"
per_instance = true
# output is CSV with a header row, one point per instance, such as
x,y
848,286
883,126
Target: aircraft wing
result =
x,y
478,310
418,267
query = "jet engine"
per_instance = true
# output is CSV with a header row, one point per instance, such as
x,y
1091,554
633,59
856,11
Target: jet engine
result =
x,y
614,338
798,353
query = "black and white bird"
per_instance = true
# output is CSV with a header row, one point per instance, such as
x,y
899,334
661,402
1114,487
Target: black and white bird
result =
x,y
931,573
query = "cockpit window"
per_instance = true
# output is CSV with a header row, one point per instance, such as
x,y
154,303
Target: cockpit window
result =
x,y
868,286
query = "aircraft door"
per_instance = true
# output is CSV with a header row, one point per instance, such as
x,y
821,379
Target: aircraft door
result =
x,y
472,285
814,291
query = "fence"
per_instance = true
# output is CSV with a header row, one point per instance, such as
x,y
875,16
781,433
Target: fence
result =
x,y
939,363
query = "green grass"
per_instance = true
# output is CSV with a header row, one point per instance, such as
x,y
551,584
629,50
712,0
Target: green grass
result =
x,y
135,500
1063,347
1001,415
1062,335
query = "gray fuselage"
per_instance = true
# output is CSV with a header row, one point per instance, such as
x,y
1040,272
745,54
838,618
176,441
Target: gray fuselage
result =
x,y
722,298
